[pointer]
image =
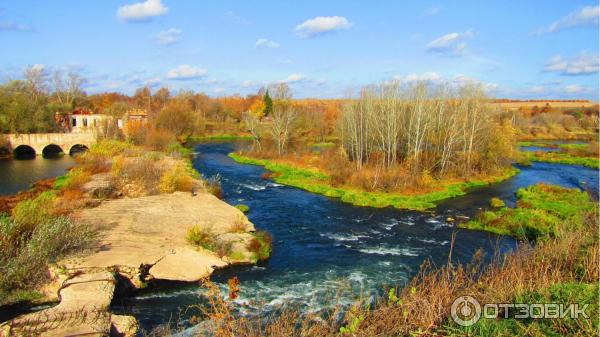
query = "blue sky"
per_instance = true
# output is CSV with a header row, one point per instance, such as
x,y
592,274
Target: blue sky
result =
x,y
517,49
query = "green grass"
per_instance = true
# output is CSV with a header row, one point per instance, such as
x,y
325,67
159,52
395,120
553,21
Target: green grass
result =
x,y
582,146
561,158
223,137
318,182
537,143
560,293
542,210
243,208
496,203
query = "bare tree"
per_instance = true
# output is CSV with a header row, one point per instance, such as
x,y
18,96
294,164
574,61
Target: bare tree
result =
x,y
66,89
35,80
282,124
252,123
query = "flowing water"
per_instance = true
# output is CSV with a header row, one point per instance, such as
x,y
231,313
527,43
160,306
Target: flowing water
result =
x,y
327,252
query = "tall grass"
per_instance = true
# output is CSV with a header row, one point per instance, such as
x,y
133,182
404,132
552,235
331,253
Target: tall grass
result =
x,y
25,252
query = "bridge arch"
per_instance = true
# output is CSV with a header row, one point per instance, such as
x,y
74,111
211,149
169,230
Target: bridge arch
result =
x,y
77,149
24,152
52,151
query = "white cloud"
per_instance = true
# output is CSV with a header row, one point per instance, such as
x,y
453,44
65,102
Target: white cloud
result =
x,y
248,83
321,25
574,89
462,80
451,44
583,64
434,10
142,11
586,16
537,89
219,90
152,82
186,72
265,43
295,78
434,78
169,36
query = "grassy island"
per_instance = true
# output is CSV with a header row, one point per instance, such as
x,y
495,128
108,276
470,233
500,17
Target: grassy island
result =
x,y
316,181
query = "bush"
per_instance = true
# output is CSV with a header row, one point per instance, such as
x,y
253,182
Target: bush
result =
x,y
159,140
213,186
109,147
142,172
203,236
24,255
239,225
31,212
176,179
76,178
496,203
260,245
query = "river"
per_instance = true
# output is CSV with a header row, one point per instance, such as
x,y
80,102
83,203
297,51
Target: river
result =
x,y
324,249
18,174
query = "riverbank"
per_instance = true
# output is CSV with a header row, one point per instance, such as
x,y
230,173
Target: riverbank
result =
x,y
140,209
548,151
561,158
542,211
316,181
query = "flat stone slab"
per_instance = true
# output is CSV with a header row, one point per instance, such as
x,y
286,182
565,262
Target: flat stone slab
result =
x,y
83,309
152,231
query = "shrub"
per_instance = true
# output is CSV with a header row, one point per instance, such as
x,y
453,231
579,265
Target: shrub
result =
x,y
76,178
32,212
159,139
213,186
109,147
203,236
24,255
239,225
142,172
176,179
260,245
496,203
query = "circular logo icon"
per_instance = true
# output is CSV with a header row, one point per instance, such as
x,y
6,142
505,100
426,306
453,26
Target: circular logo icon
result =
x,y
465,311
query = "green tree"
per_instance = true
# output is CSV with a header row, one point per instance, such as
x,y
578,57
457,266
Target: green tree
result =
x,y
268,103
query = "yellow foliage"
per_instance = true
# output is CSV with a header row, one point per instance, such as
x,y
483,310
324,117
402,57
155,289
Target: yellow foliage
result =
x,y
176,179
258,108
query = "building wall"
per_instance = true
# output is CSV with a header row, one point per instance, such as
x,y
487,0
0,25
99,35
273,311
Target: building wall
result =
x,y
85,123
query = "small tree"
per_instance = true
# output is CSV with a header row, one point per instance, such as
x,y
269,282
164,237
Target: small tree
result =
x,y
252,123
268,103
282,125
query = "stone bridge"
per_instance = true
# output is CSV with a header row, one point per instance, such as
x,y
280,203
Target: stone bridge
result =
x,y
46,143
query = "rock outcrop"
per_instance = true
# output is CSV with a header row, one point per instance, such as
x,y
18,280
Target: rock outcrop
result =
x,y
141,239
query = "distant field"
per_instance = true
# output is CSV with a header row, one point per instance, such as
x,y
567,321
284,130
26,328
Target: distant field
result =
x,y
554,104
